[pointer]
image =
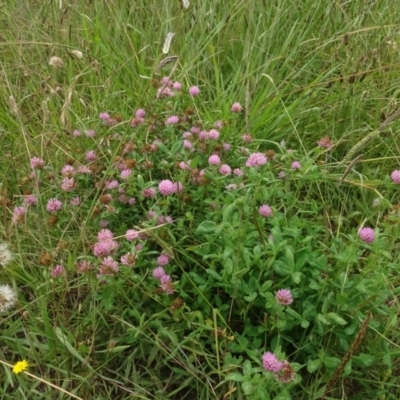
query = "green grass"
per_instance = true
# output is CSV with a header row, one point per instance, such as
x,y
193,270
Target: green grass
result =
x,y
302,71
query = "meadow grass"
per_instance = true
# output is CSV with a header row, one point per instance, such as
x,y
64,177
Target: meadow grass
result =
x,y
301,71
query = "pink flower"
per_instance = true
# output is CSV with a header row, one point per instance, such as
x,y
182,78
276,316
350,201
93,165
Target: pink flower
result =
x,y
203,135
295,165
125,173
176,86
265,210
53,205
140,113
19,214
166,187
247,138
367,235
102,249
187,144
164,92
214,160
75,201
226,146
128,259
195,130
286,374
57,271
184,165
194,91
84,266
104,116
256,159
30,200
68,184
284,297
76,133
213,134
178,187
112,184
271,362
108,267
149,193
231,187
103,223
90,133
132,234
225,169
166,284
163,259
67,170
91,156
238,172
325,142
83,169
236,108
37,163
105,235
158,272
395,175
131,201
173,120
218,124
281,174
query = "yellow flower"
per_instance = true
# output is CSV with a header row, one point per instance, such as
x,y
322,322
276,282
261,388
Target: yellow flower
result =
x,y
20,366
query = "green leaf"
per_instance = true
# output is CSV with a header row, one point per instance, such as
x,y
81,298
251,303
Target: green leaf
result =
x,y
214,274
335,318
296,277
365,360
247,369
322,319
247,388
207,227
313,365
331,362
251,297
235,376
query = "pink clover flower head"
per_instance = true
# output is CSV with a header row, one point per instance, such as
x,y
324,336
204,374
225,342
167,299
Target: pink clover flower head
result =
x,y
218,125
184,165
325,142
167,285
132,234
125,173
226,146
168,219
284,297
123,198
177,85
166,187
68,184
214,160
19,214
57,271
104,116
112,184
281,175
102,249
195,130
128,259
108,266
236,108
295,165
75,201
162,259
67,170
187,134
53,205
158,272
103,223
76,133
140,113
225,169
37,163
149,193
256,159
105,235
213,134
187,144
238,172
203,135
367,235
173,120
90,133
83,169
194,91
271,363
286,374
178,187
131,201
30,200
166,80
247,138
84,266
164,92
265,210
395,175
90,156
